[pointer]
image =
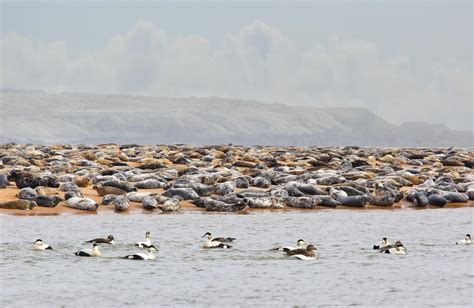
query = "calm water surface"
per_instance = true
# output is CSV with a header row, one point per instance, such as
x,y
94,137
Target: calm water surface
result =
x,y
347,272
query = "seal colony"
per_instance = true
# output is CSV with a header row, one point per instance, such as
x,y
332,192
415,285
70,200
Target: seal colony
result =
x,y
229,178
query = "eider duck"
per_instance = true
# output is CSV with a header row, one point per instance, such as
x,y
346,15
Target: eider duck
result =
x,y
300,244
219,242
146,243
142,256
382,244
109,240
94,252
465,241
303,254
397,249
39,245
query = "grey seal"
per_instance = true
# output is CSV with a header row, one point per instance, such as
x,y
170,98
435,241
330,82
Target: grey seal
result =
x,y
18,205
46,201
170,205
149,184
302,202
185,193
85,204
219,206
265,202
4,180
241,182
27,193
120,203
436,200
125,186
108,190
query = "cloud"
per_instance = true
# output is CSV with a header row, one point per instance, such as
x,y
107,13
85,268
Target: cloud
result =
x,y
256,62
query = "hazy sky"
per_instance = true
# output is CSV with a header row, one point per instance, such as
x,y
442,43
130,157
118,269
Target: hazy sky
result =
x,y
404,60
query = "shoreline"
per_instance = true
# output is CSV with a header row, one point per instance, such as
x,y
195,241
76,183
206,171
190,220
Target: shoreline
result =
x,y
9,193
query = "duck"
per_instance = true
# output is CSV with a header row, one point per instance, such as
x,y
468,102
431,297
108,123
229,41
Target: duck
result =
x,y
219,242
142,256
87,252
308,253
382,244
39,245
465,241
300,244
397,249
147,242
109,240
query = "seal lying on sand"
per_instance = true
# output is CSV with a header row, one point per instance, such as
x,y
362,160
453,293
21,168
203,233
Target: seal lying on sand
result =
x,y
46,201
108,190
265,202
18,205
305,202
185,193
3,181
85,204
23,180
170,205
120,203
219,206
125,186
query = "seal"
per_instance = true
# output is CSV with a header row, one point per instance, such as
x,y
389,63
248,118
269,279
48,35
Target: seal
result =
x,y
138,196
108,190
261,182
304,202
18,205
149,184
219,206
265,202
225,188
120,203
344,199
420,199
185,193
42,190
69,186
437,200
327,201
4,181
70,194
27,193
150,203
23,180
82,181
170,205
241,182
46,201
84,204
125,186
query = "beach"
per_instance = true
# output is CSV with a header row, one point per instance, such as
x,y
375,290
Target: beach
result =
x,y
358,171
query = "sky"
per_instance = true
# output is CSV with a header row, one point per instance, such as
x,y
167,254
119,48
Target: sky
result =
x,y
403,60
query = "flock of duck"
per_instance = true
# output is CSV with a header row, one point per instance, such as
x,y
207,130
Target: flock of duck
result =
x,y
231,178
302,251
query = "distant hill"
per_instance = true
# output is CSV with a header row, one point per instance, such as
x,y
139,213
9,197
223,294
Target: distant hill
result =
x,y
39,117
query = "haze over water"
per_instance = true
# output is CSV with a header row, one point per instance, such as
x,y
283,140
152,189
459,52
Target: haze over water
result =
x,y
434,271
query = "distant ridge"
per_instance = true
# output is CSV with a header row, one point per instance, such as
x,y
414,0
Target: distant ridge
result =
x,y
39,117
